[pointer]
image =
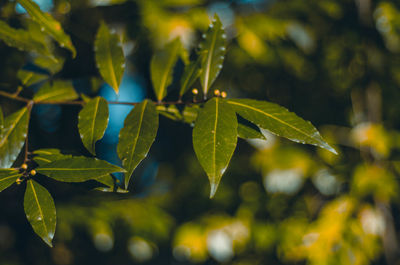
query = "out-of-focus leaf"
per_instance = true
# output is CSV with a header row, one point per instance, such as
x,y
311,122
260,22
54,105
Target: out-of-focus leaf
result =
x,y
52,65
190,113
92,122
279,121
170,111
1,122
57,91
215,138
21,39
40,211
247,132
77,169
110,57
137,136
191,73
213,49
13,137
8,177
29,78
48,24
162,67
45,156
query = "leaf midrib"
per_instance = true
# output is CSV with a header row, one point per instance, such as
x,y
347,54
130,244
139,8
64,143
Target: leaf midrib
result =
x,y
109,59
168,68
12,128
215,137
208,66
38,205
136,137
273,117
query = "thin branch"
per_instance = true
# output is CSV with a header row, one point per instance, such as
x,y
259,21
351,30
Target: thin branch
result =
x,y
80,102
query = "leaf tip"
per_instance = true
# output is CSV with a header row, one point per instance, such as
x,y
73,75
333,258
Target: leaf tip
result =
x,y
213,190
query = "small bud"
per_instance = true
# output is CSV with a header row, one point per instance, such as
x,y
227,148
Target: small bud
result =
x,y
217,92
223,94
195,91
33,172
24,166
18,181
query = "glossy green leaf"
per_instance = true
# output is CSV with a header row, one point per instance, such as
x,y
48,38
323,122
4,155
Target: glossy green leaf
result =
x,y
279,121
110,57
59,90
137,136
162,66
8,176
21,39
92,122
40,211
77,169
214,139
190,74
45,156
13,137
48,24
213,49
29,78
247,132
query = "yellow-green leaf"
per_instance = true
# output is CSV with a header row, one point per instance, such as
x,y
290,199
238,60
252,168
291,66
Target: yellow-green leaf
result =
x,y
92,122
8,176
13,137
162,67
110,57
213,49
247,132
29,78
48,24
137,136
40,211
21,39
77,169
59,90
214,139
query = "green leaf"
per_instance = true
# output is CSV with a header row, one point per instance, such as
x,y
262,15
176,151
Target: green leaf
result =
x,y
52,65
247,132
110,57
213,49
45,156
190,113
48,24
191,73
162,67
21,39
13,137
59,90
137,136
92,122
77,169
214,139
8,177
279,121
1,122
40,211
170,111
29,78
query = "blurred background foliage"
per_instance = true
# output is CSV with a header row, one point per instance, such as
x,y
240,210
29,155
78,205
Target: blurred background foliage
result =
x,y
335,63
